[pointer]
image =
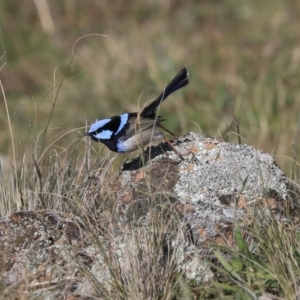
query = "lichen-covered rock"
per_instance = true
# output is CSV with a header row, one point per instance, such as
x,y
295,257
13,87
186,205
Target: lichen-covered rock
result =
x,y
39,250
165,216
214,186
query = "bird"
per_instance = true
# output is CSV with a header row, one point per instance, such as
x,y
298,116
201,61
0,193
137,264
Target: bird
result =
x,y
132,131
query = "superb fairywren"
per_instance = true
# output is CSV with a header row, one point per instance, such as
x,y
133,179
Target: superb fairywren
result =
x,y
130,131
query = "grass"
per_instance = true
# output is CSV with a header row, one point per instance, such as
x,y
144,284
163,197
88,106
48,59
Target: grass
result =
x,y
243,59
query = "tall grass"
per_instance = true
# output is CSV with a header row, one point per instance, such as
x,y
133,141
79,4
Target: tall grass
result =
x,y
243,60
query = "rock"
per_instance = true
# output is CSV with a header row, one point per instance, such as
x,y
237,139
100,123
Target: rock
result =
x,y
213,187
164,218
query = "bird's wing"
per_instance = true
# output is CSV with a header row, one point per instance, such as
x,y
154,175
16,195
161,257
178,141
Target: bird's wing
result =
x,y
140,124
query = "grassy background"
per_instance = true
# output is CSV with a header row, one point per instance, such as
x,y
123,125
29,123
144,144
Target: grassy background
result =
x,y
243,57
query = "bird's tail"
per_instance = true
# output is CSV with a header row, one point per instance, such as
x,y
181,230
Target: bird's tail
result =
x,y
179,81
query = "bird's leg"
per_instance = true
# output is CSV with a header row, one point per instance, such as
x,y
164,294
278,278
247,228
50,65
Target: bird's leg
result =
x,y
172,147
167,130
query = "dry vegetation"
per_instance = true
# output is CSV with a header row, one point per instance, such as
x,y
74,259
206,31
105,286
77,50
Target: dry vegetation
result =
x,y
59,73
242,57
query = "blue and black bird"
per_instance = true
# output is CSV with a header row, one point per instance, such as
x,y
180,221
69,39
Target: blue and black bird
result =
x,y
131,131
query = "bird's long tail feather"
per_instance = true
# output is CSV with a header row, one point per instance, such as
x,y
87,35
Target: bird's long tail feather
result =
x,y
178,82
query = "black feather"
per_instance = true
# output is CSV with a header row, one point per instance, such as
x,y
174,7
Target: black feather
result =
x,y
178,82
130,131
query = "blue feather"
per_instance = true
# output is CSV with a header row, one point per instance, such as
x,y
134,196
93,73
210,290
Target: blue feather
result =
x,y
124,119
98,124
104,134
